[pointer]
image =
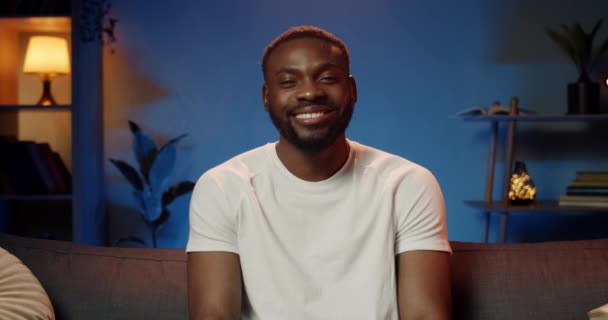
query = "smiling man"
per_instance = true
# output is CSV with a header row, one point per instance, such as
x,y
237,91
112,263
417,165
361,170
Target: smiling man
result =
x,y
316,226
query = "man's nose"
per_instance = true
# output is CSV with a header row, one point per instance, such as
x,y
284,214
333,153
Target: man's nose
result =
x,y
310,90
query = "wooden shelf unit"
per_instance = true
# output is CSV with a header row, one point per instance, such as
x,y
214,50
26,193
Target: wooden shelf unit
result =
x,y
503,206
79,111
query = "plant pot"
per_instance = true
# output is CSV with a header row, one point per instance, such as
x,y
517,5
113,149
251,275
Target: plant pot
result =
x,y
583,97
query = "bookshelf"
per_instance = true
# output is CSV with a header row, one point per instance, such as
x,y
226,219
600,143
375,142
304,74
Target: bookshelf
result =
x,y
72,127
503,207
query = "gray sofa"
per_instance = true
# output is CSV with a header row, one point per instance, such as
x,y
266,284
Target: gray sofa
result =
x,y
552,280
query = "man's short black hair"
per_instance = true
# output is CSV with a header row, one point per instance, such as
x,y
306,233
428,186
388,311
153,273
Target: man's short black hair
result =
x,y
305,32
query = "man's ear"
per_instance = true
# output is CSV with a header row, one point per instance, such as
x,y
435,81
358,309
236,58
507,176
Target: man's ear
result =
x,y
265,97
353,88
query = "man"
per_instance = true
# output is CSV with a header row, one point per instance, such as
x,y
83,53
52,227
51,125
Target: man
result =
x,y
316,226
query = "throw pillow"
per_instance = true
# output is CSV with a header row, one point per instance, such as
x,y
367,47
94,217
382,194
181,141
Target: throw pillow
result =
x,y
600,313
21,294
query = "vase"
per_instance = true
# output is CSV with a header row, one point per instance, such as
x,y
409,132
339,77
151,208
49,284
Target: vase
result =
x,y
583,97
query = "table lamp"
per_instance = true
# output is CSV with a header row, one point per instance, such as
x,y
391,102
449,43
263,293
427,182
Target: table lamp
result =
x,y
47,57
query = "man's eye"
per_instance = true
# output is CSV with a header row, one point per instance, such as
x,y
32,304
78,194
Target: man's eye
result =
x,y
328,79
287,82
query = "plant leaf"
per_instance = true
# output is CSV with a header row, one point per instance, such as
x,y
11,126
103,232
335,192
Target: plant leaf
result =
x,y
563,42
163,164
130,239
582,49
144,149
134,127
591,36
158,223
129,172
598,53
139,200
175,191
152,204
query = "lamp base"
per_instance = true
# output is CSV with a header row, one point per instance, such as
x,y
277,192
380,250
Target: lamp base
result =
x,y
47,98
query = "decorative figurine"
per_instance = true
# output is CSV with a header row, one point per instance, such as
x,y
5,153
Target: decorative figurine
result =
x,y
522,189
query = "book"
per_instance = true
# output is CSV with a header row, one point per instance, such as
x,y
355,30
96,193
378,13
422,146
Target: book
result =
x,y
589,184
591,176
583,201
21,170
54,168
590,204
586,191
494,109
63,170
40,166
6,187
583,198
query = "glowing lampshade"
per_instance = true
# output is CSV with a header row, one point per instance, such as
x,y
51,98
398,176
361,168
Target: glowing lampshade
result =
x,y
47,57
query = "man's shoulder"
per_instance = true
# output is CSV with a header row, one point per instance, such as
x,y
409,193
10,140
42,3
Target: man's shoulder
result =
x,y
244,165
388,165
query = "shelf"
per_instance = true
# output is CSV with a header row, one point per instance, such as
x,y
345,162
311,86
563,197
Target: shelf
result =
x,y
34,197
538,206
5,107
539,117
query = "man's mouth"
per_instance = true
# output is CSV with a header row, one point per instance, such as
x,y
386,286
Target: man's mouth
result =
x,y
311,115
314,117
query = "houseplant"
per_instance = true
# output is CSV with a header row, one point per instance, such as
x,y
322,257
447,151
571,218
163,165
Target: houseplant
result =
x,y
152,193
583,95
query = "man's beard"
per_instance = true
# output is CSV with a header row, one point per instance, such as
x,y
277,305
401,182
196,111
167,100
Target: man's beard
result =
x,y
313,143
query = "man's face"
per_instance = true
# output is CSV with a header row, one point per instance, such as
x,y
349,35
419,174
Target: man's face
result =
x,y
308,92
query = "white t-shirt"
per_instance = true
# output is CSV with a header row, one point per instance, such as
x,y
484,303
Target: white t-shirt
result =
x,y
318,250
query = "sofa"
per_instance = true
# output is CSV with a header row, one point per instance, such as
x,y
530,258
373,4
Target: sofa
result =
x,y
551,280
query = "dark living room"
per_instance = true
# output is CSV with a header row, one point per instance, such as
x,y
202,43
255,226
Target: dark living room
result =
x,y
80,206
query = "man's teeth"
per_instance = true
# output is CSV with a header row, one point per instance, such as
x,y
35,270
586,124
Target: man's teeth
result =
x,y
309,115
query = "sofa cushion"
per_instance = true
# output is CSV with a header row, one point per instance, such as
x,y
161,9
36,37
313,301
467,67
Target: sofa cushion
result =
x,y
21,295
551,280
103,283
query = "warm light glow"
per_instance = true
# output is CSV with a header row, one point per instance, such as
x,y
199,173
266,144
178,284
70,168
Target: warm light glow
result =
x,y
47,55
606,82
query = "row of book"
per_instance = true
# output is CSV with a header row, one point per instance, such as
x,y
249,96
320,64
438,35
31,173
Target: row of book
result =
x,y
31,168
589,189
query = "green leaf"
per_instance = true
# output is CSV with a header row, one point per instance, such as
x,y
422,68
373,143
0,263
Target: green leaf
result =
x,y
163,164
175,191
594,31
129,172
144,148
146,164
598,53
162,219
128,239
563,42
579,44
152,204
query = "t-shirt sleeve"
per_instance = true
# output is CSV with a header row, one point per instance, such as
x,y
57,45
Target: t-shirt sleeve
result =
x,y
420,213
212,218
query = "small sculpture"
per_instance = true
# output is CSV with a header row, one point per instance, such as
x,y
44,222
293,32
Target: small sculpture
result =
x,y
522,189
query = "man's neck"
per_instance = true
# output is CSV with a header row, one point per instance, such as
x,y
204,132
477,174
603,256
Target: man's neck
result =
x,y
316,166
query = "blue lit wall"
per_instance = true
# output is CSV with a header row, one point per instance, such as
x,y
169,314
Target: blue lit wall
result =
x,y
194,66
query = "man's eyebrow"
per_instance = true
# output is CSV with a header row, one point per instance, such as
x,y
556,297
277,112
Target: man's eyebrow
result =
x,y
323,66
286,70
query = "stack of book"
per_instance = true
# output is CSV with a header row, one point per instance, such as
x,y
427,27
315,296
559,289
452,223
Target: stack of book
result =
x,y
589,189
30,168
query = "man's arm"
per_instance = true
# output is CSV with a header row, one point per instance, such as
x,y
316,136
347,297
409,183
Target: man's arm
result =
x,y
423,285
214,286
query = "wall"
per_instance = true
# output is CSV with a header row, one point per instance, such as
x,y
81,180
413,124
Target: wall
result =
x,y
194,66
